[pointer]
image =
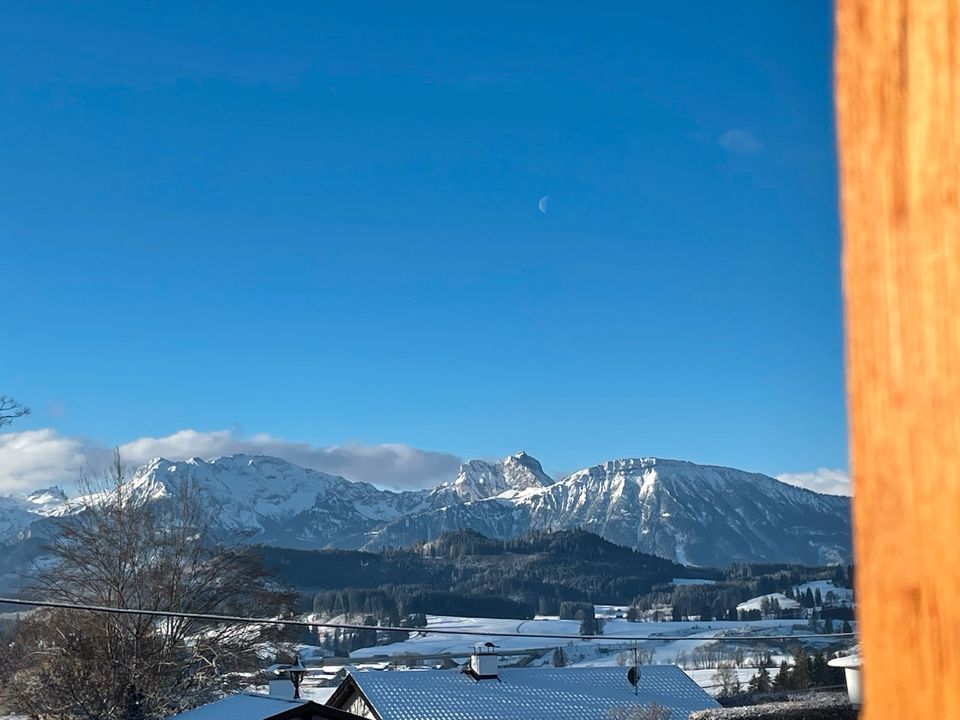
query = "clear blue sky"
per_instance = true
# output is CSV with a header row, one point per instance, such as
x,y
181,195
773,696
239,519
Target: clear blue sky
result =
x,y
320,221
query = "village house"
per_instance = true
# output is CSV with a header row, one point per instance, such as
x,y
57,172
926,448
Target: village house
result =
x,y
283,702
483,691
256,706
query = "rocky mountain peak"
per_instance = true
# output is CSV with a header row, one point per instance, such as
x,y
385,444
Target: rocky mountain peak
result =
x,y
483,479
694,514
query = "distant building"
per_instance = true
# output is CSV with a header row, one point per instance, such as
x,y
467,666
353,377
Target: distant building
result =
x,y
483,691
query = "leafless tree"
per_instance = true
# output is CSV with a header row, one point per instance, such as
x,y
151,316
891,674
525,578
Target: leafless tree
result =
x,y
10,410
126,548
728,680
653,711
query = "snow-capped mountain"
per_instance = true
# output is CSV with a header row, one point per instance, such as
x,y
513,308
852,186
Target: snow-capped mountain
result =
x,y
46,501
274,502
15,517
695,514
479,480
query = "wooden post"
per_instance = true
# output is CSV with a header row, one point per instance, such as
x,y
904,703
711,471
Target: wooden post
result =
x,y
898,118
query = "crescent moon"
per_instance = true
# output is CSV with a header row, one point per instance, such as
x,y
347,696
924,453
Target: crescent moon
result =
x,y
543,204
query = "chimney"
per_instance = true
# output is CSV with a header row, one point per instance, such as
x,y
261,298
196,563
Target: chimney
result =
x,y
281,687
286,684
484,661
852,665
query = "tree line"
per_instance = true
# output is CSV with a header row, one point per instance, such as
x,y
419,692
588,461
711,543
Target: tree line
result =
x,y
465,573
738,583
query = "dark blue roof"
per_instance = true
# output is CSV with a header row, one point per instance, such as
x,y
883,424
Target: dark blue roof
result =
x,y
530,693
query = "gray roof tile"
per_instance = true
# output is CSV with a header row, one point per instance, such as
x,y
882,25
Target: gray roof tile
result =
x,y
532,694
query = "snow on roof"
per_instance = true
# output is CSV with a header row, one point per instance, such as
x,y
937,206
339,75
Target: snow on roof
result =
x,y
534,694
847,661
243,706
849,658
319,695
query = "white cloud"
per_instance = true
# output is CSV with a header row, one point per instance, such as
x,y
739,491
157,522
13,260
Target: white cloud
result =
x,y
739,141
822,480
37,458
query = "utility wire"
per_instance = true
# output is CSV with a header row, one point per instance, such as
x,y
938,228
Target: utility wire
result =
x,y
435,631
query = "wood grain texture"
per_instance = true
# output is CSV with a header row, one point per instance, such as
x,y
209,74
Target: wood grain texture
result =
x,y
898,114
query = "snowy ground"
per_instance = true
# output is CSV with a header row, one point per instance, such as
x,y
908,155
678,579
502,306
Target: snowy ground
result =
x,y
545,630
707,678
589,653
756,603
844,595
609,611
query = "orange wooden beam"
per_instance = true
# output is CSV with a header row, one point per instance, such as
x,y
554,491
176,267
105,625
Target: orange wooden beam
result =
x,y
898,124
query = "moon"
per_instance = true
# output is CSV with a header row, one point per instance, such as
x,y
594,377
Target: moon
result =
x,y
543,204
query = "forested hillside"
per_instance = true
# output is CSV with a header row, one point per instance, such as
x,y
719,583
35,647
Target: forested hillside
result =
x,y
466,573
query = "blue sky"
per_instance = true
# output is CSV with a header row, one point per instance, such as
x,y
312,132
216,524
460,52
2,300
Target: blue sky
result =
x,y
319,221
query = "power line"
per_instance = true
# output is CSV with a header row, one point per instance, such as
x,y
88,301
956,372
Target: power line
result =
x,y
436,631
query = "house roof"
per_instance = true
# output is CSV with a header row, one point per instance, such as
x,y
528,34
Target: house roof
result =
x,y
254,706
532,694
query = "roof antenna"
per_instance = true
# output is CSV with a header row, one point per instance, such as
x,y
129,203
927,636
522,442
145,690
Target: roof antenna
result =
x,y
633,674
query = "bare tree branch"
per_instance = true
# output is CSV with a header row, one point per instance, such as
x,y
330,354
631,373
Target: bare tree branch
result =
x,y
11,410
140,548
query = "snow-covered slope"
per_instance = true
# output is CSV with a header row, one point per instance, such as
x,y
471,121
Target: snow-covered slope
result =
x,y
757,603
701,514
696,514
690,513
277,503
47,501
479,480
15,517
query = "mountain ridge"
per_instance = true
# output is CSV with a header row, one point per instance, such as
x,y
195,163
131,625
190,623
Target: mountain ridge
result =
x,y
679,510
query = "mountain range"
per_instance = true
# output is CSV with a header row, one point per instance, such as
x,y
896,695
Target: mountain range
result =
x,y
688,513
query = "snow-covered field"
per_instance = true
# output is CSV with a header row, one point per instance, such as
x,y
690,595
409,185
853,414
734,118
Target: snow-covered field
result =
x,y
844,596
546,629
707,678
693,645
609,611
840,596
585,653
756,603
